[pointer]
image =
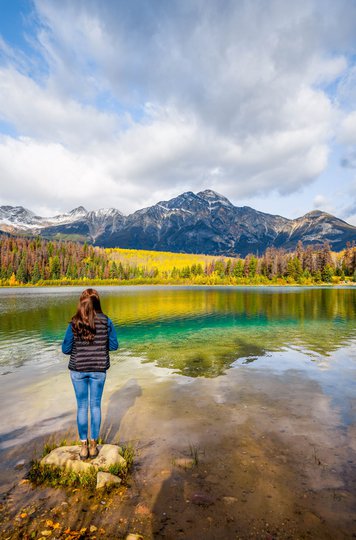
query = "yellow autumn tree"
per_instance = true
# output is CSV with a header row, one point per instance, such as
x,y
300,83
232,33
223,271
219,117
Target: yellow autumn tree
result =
x,y
12,280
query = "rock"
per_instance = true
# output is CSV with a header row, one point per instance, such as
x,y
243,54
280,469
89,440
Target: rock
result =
x,y
185,463
109,454
79,466
106,479
20,464
202,499
229,500
67,457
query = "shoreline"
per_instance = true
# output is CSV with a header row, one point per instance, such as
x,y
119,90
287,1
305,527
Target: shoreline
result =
x,y
195,285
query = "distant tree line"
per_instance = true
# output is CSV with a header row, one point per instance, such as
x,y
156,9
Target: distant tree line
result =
x,y
38,261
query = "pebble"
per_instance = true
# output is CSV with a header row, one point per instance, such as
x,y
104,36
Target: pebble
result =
x,y
20,464
202,499
229,500
185,463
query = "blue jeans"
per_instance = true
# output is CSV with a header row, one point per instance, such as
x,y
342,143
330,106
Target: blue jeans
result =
x,y
88,388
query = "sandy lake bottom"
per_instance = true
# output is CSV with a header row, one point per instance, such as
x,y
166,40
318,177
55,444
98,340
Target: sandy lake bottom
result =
x,y
273,458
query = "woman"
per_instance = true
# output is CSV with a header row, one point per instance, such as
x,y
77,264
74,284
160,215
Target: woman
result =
x,y
88,339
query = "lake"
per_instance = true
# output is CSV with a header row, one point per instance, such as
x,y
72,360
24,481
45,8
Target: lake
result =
x,y
260,382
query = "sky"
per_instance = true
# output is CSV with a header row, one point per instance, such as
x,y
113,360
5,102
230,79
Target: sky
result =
x,y
116,103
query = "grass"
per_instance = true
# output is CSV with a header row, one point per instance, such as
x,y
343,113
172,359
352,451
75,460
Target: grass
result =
x,y
54,476
194,453
51,445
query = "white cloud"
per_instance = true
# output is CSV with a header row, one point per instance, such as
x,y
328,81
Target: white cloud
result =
x,y
347,133
35,112
139,101
321,202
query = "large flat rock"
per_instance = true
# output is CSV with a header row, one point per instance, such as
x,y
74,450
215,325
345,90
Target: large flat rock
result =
x,y
67,457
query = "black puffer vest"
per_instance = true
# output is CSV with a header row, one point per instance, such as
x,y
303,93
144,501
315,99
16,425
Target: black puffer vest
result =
x,y
94,355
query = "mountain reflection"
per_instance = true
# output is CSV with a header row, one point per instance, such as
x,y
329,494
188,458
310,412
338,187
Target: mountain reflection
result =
x,y
194,331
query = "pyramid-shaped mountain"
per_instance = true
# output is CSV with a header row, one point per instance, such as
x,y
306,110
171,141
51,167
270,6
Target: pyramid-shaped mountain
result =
x,y
204,222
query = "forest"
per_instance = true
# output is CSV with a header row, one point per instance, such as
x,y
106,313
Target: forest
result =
x,y
36,261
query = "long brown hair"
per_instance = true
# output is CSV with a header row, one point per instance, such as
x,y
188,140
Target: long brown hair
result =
x,y
83,322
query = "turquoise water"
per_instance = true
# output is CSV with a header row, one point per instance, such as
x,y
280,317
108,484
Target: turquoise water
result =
x,y
196,331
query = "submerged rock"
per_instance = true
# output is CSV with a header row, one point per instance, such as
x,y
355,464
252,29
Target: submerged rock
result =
x,y
202,499
106,479
185,463
229,500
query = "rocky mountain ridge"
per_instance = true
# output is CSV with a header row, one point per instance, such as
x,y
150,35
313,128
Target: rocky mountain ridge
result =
x,y
205,222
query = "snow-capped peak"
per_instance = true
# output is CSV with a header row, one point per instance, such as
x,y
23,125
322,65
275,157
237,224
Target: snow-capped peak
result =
x,y
79,211
212,197
104,213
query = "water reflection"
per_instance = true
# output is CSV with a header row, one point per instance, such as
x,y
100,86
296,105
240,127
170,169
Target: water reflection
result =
x,y
194,331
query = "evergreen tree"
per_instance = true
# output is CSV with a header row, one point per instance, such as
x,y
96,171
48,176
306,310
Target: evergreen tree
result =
x,y
252,267
36,274
55,268
327,273
21,274
238,269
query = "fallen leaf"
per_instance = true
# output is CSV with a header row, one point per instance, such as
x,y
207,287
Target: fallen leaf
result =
x,y
23,515
142,510
46,532
56,525
83,530
49,523
93,528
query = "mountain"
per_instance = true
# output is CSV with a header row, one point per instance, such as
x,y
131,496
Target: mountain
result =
x,y
204,222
